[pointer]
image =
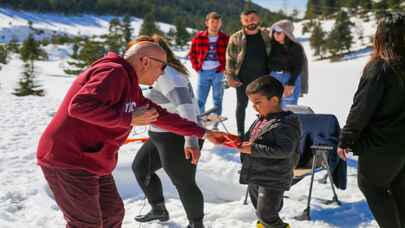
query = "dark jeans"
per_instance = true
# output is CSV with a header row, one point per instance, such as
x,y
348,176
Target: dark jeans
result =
x,y
381,178
166,150
268,203
86,200
242,101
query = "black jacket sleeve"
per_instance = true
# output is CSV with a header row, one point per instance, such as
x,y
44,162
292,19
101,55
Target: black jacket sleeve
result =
x,y
296,64
281,140
366,99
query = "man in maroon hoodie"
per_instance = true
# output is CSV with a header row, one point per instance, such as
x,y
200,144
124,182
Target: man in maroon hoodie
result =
x,y
79,149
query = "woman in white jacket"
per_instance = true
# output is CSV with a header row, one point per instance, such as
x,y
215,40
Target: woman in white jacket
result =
x,y
177,155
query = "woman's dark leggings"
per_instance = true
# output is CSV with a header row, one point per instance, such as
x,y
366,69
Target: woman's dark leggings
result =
x,y
166,150
381,178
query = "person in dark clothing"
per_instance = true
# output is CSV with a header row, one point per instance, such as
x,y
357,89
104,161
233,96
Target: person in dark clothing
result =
x,y
246,60
171,151
268,151
375,126
287,61
166,150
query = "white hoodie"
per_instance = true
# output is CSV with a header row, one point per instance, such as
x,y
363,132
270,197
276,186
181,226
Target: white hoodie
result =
x,y
173,91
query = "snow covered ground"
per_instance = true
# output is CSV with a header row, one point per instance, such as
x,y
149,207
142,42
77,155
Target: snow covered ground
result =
x,y
26,202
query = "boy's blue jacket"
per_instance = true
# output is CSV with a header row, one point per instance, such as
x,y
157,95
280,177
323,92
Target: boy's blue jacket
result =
x,y
274,152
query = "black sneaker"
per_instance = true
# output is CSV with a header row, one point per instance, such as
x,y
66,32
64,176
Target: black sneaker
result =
x,y
158,212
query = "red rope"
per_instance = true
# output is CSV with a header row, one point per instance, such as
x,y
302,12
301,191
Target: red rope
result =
x,y
131,140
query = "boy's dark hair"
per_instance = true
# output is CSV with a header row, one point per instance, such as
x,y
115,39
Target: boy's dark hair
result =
x,y
266,86
213,15
248,12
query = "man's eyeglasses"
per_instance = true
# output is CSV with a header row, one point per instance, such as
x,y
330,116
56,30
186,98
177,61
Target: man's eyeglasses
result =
x,y
164,64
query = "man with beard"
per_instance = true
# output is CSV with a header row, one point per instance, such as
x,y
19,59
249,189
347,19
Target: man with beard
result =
x,y
246,60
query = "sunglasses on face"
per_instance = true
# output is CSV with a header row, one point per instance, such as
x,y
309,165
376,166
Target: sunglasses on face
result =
x,y
164,64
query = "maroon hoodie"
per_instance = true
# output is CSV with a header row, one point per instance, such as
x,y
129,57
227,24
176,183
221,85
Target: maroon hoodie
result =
x,y
94,119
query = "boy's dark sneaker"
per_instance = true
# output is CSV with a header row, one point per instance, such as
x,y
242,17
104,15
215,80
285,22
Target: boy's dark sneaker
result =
x,y
158,212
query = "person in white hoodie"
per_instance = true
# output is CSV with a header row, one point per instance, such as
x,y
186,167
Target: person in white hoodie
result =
x,y
176,154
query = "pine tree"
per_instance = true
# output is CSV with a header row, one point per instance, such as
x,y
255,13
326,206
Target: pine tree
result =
x,y
352,5
4,52
182,36
313,9
127,29
27,84
366,4
30,25
340,38
344,26
333,44
87,53
115,40
394,4
149,26
3,55
13,46
29,52
365,8
307,26
328,7
317,40
380,8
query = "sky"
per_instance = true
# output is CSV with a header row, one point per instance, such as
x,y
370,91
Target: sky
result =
x,y
276,5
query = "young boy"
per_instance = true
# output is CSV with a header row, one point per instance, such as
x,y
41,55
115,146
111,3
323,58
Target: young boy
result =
x,y
268,151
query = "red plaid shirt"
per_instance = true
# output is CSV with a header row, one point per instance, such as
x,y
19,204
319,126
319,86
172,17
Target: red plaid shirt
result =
x,y
199,50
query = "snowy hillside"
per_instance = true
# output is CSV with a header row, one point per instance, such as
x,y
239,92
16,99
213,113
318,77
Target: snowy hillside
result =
x,y
25,200
14,24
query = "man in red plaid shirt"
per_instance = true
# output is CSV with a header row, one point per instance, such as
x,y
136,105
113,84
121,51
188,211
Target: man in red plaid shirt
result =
x,y
207,56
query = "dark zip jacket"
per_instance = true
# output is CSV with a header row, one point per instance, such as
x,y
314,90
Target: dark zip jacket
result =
x,y
288,58
271,163
376,121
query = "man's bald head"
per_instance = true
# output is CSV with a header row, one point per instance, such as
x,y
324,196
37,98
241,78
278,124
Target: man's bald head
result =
x,y
142,49
148,60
